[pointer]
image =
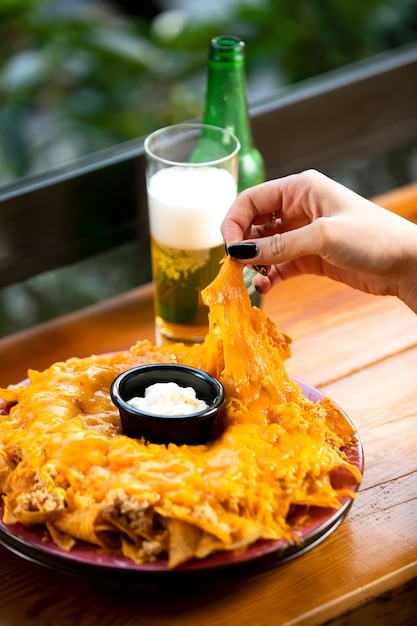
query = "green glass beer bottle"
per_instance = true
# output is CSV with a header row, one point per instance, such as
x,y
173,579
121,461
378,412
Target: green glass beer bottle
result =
x,y
226,106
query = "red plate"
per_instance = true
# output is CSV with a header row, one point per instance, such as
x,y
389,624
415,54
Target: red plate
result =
x,y
34,543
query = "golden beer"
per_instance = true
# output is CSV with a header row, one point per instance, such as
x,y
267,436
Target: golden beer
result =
x,y
179,277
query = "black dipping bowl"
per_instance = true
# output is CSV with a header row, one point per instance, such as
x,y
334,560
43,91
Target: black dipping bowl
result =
x,y
189,429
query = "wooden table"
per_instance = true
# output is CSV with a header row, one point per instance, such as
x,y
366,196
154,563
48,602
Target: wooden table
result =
x,y
362,351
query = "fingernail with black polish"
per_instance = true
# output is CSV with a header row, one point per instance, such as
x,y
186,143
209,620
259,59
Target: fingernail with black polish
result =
x,y
243,250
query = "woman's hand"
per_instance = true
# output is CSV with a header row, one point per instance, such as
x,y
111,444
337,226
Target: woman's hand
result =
x,y
309,224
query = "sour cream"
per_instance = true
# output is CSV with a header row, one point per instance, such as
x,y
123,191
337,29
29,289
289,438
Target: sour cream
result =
x,y
168,399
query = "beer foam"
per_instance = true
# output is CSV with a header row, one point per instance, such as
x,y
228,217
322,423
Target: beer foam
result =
x,y
187,205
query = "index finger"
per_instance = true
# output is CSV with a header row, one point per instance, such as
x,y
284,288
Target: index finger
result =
x,y
253,206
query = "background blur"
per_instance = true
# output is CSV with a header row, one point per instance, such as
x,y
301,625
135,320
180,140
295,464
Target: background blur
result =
x,y
80,76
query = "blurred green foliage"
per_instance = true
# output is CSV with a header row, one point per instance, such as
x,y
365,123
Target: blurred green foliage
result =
x,y
309,37
77,77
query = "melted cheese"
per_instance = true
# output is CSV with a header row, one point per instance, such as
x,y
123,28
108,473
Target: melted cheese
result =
x,y
65,463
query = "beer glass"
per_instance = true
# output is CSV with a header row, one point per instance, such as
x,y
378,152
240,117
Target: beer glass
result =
x,y
191,176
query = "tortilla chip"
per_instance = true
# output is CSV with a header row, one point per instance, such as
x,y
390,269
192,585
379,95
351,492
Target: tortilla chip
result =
x,y
183,542
202,516
62,540
87,525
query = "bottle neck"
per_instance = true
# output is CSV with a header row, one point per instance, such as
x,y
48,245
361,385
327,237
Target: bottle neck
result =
x,y
226,103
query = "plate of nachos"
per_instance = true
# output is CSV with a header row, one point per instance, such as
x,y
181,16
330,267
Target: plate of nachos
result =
x,y
274,480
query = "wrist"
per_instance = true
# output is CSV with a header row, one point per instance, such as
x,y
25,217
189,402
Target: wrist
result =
x,y
409,295
407,291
